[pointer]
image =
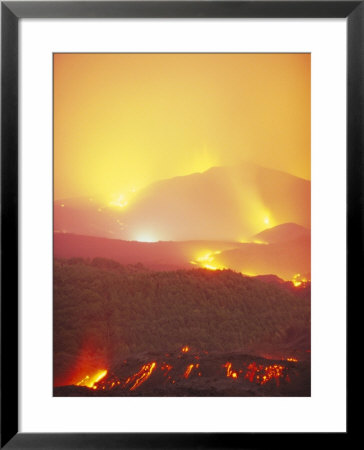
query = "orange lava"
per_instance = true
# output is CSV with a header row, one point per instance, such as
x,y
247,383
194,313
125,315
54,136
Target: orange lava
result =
x,y
140,377
298,280
262,374
188,371
253,372
91,381
230,373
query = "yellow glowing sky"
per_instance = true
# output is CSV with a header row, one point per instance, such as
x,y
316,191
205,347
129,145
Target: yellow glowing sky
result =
x,y
122,121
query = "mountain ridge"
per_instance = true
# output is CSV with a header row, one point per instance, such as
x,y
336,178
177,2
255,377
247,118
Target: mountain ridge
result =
x,y
221,203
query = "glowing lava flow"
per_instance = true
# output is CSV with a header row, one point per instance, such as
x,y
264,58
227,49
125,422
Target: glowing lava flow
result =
x,y
272,371
140,377
189,369
206,261
262,374
298,281
91,381
230,373
248,370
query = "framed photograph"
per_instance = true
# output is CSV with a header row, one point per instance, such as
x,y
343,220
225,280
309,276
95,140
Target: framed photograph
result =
x,y
181,210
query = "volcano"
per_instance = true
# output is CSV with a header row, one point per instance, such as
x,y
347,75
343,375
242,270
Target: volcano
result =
x,y
222,203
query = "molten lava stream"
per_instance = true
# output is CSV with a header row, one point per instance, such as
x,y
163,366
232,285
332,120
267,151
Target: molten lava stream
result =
x,y
230,373
91,381
189,369
141,376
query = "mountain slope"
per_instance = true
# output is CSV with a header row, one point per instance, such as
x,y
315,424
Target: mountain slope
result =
x,y
114,313
284,259
282,233
223,203
161,255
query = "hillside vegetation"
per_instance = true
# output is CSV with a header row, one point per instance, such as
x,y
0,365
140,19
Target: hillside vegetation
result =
x,y
115,311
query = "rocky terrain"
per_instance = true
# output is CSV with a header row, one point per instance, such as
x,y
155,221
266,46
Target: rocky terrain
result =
x,y
198,374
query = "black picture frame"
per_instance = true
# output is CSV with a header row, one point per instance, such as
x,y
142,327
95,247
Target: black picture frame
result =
x,y
11,12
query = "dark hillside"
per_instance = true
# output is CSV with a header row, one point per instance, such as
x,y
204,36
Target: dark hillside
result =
x,y
104,311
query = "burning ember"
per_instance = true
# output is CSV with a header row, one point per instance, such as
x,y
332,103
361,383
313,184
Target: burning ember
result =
x,y
166,367
185,349
262,374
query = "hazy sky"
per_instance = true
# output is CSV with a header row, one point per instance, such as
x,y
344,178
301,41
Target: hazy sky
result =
x,y
122,121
